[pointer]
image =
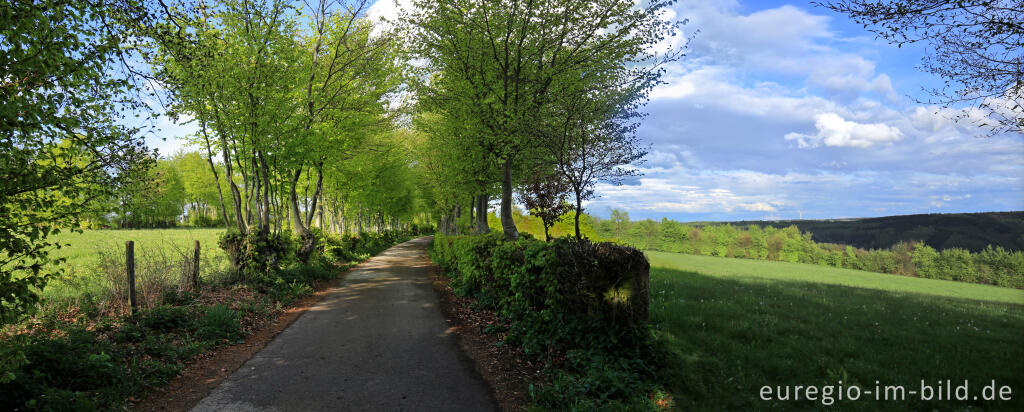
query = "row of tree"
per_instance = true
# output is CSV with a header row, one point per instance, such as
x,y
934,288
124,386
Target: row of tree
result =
x,y
538,97
992,265
296,109
301,115
285,99
182,190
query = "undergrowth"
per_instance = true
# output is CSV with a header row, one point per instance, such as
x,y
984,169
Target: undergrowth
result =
x,y
84,355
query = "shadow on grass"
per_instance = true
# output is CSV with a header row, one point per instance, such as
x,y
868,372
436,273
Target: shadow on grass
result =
x,y
732,336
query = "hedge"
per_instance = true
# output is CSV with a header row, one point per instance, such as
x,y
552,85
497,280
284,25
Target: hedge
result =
x,y
587,301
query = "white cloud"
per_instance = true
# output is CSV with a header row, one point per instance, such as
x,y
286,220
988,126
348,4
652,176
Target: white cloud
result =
x,y
758,207
720,87
753,77
835,131
785,40
386,9
692,194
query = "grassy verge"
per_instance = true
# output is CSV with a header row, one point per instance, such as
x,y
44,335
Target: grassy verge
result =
x,y
85,357
738,325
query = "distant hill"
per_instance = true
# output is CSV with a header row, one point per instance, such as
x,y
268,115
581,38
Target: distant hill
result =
x,y
971,231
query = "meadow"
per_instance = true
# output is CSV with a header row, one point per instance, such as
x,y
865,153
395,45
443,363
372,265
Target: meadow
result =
x,y
95,259
737,325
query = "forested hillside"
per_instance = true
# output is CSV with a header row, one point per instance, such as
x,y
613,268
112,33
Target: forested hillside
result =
x,y
971,231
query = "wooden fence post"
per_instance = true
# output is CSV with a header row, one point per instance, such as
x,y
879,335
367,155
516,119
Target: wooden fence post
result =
x,y
130,265
195,268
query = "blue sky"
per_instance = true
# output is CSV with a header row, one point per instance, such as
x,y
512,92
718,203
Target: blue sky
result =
x,y
783,110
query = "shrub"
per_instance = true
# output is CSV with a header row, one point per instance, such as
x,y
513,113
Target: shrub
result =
x,y
62,373
178,298
584,299
166,318
257,253
352,248
925,259
219,322
129,333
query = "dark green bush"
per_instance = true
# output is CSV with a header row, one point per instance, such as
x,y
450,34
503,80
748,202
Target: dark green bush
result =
x,y
594,381
584,299
177,298
166,318
219,322
68,372
352,248
130,333
255,254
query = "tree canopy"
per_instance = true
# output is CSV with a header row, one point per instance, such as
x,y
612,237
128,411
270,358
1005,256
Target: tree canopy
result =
x,y
504,71
62,104
312,116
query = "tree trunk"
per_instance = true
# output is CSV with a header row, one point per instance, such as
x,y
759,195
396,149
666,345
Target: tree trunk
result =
x,y
316,196
455,218
507,224
579,208
320,217
265,207
481,215
306,240
236,195
216,176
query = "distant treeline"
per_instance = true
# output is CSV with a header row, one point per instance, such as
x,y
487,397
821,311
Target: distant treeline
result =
x,y
991,265
971,231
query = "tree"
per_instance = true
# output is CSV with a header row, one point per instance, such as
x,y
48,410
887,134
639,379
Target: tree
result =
x,y
594,137
232,68
500,64
278,101
976,47
155,199
349,72
63,145
455,165
544,197
444,163
201,187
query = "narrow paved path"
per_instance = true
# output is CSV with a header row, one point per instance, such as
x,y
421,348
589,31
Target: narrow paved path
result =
x,y
377,342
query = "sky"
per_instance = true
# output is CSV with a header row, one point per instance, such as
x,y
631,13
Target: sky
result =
x,y
783,110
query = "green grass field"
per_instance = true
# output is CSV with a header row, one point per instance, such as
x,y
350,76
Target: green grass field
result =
x,y
738,325
94,258
86,247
